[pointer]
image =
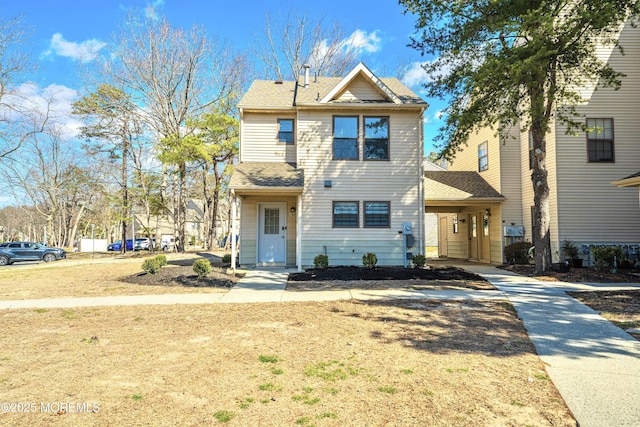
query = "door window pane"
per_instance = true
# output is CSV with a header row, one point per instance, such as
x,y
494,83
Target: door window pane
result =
x,y
272,221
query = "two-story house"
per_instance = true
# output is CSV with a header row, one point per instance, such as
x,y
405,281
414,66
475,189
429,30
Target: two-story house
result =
x,y
584,207
329,166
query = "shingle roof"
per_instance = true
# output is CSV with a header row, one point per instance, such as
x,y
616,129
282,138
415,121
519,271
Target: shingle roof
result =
x,y
287,94
267,175
457,185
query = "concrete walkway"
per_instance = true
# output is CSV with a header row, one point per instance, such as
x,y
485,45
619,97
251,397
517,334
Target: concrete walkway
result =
x,y
594,365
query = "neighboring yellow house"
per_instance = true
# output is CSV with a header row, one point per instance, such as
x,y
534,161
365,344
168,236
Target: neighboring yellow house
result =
x,y
329,166
584,208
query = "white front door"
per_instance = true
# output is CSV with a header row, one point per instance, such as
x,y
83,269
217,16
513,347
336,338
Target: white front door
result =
x,y
272,235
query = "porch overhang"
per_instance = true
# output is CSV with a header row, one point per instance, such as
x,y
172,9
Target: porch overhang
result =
x,y
629,181
455,191
266,178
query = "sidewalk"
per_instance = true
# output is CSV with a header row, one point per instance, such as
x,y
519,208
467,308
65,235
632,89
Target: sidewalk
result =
x,y
594,364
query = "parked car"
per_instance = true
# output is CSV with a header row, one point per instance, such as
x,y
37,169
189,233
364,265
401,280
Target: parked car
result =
x,y
11,252
144,244
117,246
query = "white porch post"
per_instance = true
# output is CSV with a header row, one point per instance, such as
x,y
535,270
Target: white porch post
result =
x,y
299,233
234,207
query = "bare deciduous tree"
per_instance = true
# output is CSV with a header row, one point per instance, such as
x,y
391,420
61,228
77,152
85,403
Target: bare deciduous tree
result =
x,y
295,40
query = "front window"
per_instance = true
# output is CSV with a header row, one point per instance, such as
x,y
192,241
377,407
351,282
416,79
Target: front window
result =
x,y
376,138
285,131
345,138
483,157
600,140
376,214
345,214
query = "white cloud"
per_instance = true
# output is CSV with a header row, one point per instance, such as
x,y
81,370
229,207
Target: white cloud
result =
x,y
362,41
153,9
85,51
54,100
415,75
438,115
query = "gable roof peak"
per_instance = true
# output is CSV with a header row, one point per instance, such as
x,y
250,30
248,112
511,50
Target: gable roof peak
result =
x,y
361,70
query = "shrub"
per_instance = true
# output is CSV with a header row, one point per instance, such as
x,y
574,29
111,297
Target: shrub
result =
x,y
569,249
202,267
162,260
604,255
226,259
419,261
517,253
321,261
151,265
369,260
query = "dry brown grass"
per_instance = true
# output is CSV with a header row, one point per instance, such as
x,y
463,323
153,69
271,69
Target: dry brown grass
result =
x,y
400,363
339,363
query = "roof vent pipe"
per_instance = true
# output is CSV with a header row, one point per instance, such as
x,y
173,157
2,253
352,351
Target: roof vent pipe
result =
x,y
306,74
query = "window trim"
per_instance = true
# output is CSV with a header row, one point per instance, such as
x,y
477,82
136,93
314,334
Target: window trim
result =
x,y
484,157
293,132
333,214
612,141
382,202
333,137
364,137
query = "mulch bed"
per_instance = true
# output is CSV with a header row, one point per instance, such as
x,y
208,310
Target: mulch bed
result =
x,y
350,277
181,275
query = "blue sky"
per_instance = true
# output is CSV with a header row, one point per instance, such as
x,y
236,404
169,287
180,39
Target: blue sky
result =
x,y
64,34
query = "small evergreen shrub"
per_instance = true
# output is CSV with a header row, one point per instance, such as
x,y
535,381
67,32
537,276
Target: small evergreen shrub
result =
x,y
369,260
321,261
151,265
604,256
517,253
162,260
226,259
202,267
419,261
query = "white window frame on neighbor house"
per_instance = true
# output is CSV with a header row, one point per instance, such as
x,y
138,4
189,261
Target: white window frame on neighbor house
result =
x,y
600,133
483,156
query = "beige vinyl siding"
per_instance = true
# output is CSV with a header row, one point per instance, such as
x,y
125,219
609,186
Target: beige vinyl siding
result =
x,y
591,209
467,159
395,181
360,90
510,177
260,139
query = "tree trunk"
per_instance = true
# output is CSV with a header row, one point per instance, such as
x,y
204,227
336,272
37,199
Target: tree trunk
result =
x,y
125,193
539,178
180,217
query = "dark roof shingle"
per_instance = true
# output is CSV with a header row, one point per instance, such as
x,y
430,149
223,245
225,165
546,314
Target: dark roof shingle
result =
x,y
452,185
266,175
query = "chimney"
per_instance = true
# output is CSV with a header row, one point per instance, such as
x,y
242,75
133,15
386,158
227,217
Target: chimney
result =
x,y
306,74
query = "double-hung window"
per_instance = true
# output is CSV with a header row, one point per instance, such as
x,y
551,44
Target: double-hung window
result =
x,y
483,157
376,214
376,138
345,138
285,131
345,214
600,140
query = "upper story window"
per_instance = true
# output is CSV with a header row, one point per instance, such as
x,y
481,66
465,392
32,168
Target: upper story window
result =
x,y
376,214
600,140
345,214
483,157
285,131
345,138
376,138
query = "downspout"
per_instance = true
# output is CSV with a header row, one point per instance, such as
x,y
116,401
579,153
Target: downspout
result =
x,y
234,232
299,232
422,231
